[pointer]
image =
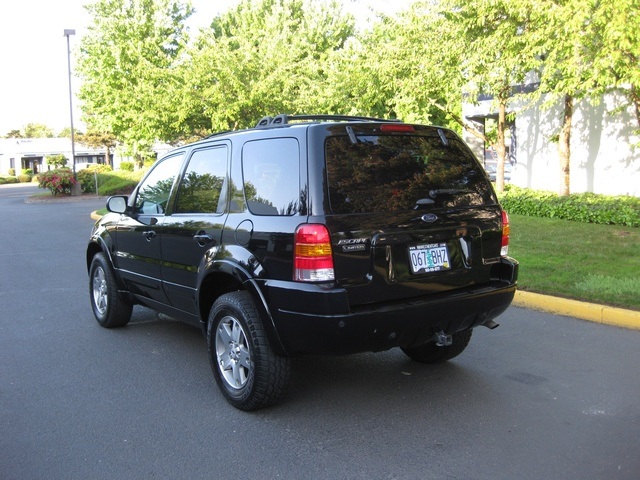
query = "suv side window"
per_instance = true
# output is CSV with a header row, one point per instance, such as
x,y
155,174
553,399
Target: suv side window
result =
x,y
201,188
271,173
153,194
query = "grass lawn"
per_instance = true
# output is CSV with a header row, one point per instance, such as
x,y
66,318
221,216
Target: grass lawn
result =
x,y
594,263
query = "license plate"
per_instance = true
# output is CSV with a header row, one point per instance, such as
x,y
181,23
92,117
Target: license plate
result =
x,y
433,257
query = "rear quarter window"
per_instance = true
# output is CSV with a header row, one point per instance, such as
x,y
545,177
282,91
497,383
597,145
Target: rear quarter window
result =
x,y
384,173
271,176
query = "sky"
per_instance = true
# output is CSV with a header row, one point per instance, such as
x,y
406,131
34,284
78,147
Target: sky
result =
x,y
34,79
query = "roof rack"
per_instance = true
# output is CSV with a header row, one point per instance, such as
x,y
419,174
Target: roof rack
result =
x,y
283,119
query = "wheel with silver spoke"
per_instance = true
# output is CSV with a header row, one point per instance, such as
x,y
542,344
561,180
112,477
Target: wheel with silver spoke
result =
x,y
100,298
248,372
233,352
109,308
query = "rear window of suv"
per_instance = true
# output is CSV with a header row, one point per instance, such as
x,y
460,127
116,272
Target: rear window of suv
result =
x,y
384,173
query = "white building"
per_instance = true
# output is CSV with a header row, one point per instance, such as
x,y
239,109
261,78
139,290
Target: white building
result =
x,y
32,153
603,157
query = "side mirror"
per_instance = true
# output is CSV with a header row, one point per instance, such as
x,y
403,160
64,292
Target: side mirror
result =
x,y
117,204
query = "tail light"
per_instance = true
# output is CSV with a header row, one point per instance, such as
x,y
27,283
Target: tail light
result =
x,y
506,230
313,261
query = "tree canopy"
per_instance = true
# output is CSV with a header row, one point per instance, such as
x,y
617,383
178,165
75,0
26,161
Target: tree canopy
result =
x,y
146,79
128,62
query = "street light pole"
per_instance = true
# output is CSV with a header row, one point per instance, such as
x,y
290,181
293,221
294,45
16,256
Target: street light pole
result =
x,y
75,189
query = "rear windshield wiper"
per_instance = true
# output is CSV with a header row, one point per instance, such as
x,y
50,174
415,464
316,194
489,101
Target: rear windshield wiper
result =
x,y
352,135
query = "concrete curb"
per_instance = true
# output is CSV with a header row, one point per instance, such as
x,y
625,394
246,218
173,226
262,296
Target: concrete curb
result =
x,y
603,314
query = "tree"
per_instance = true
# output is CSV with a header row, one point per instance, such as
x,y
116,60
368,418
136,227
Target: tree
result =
x,y
97,140
128,63
57,161
264,57
497,42
616,53
14,134
36,130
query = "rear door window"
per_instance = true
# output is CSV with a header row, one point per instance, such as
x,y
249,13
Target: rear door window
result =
x,y
201,189
384,173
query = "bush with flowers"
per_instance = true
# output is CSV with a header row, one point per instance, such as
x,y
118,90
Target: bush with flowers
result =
x,y
58,181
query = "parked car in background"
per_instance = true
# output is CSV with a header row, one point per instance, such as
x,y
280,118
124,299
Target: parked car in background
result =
x,y
492,168
306,235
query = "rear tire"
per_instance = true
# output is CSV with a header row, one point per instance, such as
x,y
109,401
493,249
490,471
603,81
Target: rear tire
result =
x,y
431,353
109,308
248,372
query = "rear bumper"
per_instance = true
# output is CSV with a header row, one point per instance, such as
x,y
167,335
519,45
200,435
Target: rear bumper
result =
x,y
310,329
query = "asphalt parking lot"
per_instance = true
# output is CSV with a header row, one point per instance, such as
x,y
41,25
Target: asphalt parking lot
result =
x,y
542,396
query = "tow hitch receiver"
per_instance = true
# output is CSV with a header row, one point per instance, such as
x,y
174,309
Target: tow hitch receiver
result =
x,y
442,339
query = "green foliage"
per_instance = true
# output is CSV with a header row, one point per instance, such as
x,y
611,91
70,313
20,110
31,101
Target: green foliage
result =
x,y
127,166
36,130
25,178
10,179
87,176
58,181
263,57
57,161
109,182
128,62
581,207
12,172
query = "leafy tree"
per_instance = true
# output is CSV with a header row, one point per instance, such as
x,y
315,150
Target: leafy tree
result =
x,y
98,140
616,53
57,161
128,63
36,130
14,134
497,44
263,57
394,70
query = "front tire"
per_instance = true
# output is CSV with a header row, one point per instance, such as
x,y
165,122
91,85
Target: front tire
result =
x,y
109,308
431,353
248,372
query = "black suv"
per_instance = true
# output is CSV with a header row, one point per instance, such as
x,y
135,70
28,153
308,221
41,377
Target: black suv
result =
x,y
309,234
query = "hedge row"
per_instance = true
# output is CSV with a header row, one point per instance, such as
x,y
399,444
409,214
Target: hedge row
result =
x,y
19,179
580,207
109,182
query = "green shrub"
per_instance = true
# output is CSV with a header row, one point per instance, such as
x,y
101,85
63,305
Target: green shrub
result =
x,y
58,181
57,161
109,182
24,178
126,166
87,178
5,180
27,171
580,207
12,172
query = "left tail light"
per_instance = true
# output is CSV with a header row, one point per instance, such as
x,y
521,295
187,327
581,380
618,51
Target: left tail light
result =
x,y
313,261
506,230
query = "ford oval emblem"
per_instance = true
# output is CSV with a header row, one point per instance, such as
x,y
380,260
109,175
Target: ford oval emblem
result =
x,y
429,218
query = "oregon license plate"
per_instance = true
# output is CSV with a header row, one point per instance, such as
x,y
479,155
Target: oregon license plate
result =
x,y
433,257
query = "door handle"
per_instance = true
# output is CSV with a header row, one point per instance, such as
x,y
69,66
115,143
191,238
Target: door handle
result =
x,y
202,238
149,234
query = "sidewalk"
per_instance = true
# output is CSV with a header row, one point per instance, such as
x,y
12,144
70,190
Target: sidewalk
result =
x,y
603,314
